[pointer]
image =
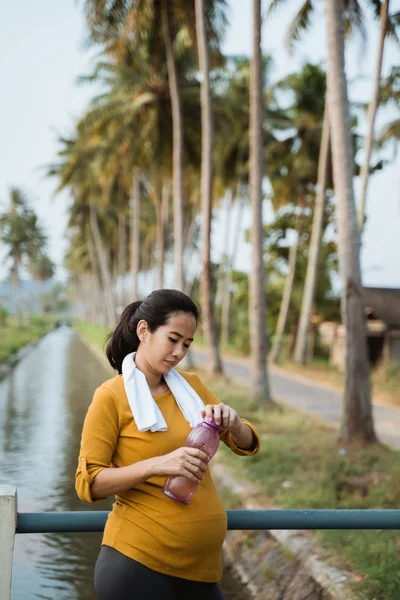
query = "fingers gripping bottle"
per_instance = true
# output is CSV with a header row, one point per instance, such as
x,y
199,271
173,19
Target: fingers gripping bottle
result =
x,y
205,437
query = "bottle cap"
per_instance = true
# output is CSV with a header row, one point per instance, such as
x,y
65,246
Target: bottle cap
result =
x,y
212,422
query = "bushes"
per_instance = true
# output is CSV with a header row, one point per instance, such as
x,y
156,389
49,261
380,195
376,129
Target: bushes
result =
x,y
14,335
3,316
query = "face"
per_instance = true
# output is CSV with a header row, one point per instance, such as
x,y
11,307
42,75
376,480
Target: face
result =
x,y
166,347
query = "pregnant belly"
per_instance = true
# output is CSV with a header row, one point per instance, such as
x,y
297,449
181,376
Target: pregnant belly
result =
x,y
173,537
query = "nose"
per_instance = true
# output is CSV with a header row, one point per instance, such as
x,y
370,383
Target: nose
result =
x,y
179,351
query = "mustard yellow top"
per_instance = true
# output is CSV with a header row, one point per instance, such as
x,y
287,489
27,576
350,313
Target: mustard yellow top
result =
x,y
171,538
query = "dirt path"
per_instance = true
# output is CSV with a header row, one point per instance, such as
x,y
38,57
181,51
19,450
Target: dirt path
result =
x,y
309,397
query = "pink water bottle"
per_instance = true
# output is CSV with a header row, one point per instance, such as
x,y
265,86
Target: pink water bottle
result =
x,y
204,436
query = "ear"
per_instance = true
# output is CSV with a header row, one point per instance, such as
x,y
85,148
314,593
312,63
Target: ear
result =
x,y
142,330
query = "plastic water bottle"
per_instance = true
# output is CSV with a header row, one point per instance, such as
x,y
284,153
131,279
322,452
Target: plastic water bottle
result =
x,y
205,437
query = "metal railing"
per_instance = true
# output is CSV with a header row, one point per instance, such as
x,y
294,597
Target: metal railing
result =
x,y
90,521
13,523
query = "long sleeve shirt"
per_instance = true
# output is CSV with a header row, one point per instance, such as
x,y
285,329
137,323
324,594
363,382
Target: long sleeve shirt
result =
x,y
179,540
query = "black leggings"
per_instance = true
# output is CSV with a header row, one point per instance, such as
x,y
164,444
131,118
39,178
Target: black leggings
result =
x,y
118,577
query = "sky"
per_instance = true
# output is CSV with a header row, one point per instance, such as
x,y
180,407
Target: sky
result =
x,y
43,51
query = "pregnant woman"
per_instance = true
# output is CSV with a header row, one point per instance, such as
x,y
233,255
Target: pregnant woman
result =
x,y
133,438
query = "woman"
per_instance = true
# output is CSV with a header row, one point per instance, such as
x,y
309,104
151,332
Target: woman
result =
x,y
132,440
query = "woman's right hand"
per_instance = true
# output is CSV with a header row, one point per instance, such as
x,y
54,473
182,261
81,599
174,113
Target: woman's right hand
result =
x,y
186,462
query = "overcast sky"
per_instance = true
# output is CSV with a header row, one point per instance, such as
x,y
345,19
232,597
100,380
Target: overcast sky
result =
x,y
42,51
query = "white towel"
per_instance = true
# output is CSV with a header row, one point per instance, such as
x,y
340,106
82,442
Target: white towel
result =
x,y
144,408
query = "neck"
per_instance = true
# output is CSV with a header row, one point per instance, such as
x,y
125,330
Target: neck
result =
x,y
153,379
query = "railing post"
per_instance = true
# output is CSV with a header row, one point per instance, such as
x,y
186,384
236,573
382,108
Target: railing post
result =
x,y
8,523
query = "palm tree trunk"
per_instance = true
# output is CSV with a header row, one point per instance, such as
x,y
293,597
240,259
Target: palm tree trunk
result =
x,y
257,304
223,268
99,291
135,234
286,297
372,109
104,266
301,354
177,147
87,292
165,210
162,219
189,252
80,309
15,290
91,297
160,242
357,423
226,301
122,253
206,190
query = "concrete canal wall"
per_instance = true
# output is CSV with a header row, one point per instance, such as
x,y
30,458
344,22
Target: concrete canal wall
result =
x,y
276,564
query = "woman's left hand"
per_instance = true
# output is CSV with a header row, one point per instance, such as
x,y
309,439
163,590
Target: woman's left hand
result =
x,y
224,415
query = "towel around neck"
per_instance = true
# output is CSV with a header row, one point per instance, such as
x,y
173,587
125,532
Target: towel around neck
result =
x,y
144,408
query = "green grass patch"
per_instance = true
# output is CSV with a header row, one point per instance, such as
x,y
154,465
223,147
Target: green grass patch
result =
x,y
16,334
299,466
93,334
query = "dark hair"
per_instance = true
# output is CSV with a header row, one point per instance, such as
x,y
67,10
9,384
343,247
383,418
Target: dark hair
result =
x,y
155,310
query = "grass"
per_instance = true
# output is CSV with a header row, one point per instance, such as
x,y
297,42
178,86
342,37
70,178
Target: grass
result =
x,y
298,466
14,335
93,334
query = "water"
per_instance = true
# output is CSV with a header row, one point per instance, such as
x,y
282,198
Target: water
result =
x,y
42,407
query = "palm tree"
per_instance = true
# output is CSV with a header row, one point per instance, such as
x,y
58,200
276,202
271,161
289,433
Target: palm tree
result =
x,y
286,297
21,233
390,94
257,304
231,101
300,353
133,21
81,171
354,20
206,189
177,144
357,423
135,233
292,168
373,107
42,268
133,119
227,291
84,278
310,112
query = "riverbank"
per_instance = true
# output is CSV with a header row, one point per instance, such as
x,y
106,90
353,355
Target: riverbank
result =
x,y
300,466
16,336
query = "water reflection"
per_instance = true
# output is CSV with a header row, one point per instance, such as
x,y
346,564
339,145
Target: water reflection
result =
x,y
43,403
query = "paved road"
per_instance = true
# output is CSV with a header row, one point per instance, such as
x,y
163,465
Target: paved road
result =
x,y
311,398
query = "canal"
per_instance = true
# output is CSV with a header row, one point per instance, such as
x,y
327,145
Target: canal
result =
x,y
43,403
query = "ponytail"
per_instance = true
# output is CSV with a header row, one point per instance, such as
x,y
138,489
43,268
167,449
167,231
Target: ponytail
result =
x,y
124,339
156,310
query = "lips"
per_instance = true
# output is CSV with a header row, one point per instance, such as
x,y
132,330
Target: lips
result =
x,y
171,364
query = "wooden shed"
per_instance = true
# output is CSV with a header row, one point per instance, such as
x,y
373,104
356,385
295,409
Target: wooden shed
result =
x,y
383,324
383,319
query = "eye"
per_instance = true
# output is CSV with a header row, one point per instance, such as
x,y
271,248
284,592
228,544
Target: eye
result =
x,y
172,340
187,345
